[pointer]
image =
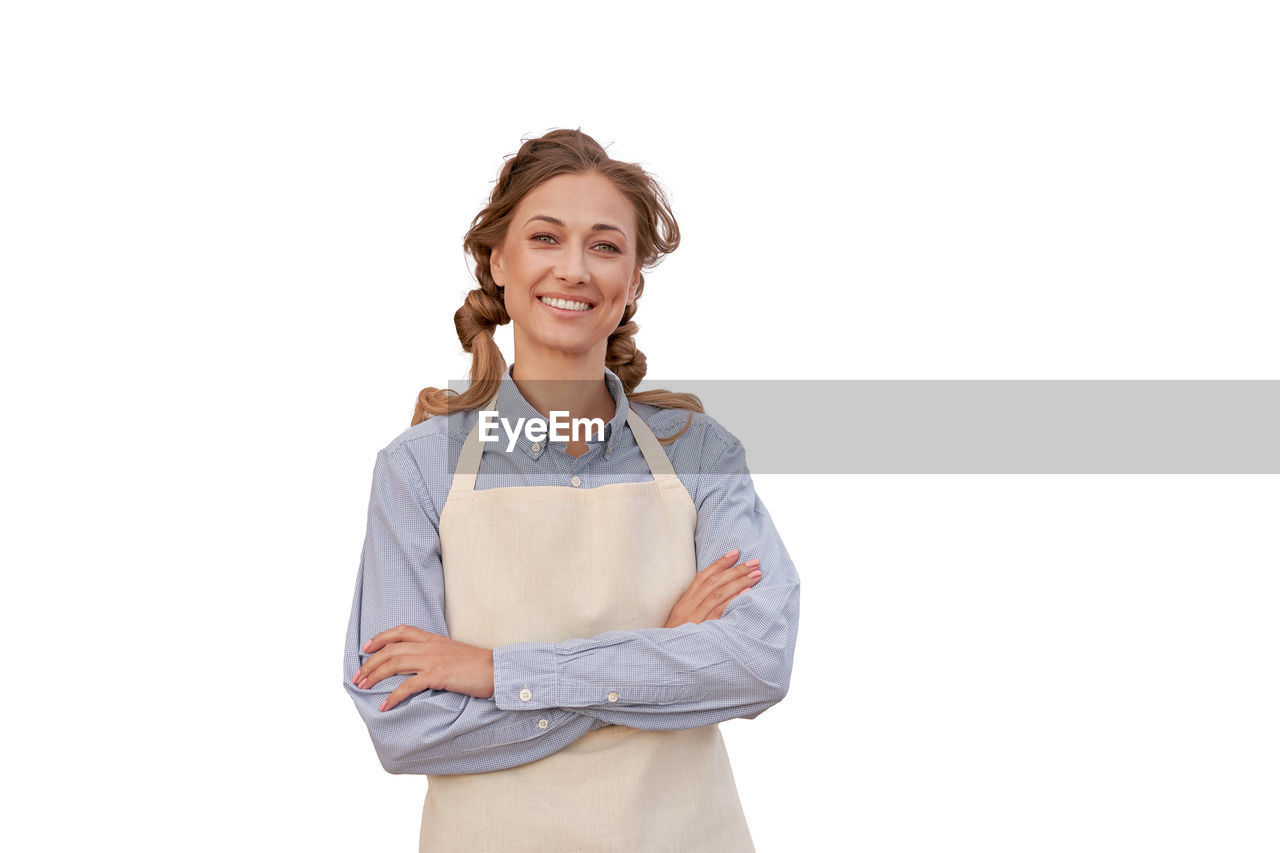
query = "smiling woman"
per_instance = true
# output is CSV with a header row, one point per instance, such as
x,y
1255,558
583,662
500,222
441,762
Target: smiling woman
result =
x,y
564,222
565,283
531,629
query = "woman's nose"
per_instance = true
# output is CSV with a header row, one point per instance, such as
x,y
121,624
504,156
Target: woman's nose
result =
x,y
573,265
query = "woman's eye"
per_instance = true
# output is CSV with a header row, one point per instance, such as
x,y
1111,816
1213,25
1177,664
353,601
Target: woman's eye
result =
x,y
547,238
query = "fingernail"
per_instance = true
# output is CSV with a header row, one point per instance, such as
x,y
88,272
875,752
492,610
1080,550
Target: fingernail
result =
x,y
754,574
383,706
365,647
753,562
732,553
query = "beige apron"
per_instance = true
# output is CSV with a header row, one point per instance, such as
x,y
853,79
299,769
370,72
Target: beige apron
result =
x,y
553,563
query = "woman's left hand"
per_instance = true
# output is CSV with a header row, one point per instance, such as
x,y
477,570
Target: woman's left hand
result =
x,y
438,662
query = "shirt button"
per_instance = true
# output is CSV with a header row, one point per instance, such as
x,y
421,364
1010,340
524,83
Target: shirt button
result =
x,y
576,480
608,450
535,447
542,724
613,697
525,695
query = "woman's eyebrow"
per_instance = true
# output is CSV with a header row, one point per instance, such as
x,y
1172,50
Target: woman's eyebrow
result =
x,y
599,226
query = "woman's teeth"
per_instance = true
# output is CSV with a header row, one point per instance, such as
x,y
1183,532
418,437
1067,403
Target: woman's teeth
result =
x,y
566,304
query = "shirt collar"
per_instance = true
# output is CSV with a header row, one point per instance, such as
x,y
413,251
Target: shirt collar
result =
x,y
512,405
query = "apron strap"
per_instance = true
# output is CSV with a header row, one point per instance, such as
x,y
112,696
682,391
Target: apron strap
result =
x,y
659,464
464,477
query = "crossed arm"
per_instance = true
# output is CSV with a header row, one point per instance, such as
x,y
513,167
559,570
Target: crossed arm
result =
x,y
736,665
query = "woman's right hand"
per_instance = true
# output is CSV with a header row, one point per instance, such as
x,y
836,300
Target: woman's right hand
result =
x,y
712,590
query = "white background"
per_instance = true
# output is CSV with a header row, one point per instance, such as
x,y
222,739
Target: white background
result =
x,y
231,256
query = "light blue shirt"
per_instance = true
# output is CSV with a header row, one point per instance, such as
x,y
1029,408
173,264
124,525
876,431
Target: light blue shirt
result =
x,y
734,666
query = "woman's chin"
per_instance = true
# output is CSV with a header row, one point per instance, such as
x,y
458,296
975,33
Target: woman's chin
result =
x,y
567,344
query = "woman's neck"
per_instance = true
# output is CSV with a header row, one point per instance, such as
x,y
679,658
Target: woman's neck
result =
x,y
577,387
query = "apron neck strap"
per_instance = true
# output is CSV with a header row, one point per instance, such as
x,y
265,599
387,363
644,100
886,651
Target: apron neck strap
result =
x,y
464,477
659,464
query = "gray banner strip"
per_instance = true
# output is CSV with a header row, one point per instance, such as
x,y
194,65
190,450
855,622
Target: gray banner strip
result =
x,y
812,426
1002,426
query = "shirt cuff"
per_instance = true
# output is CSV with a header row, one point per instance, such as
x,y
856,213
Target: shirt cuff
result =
x,y
536,676
524,676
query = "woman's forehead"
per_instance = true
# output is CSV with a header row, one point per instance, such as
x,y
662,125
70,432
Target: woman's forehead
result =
x,y
578,202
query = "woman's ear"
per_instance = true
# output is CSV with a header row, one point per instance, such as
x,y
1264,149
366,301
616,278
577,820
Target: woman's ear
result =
x,y
631,288
495,264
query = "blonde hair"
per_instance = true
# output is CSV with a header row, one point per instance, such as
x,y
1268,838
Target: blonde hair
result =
x,y
538,160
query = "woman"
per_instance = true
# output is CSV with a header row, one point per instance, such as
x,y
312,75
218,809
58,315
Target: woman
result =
x,y
530,629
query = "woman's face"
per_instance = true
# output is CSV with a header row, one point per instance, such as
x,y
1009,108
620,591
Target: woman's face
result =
x,y
573,238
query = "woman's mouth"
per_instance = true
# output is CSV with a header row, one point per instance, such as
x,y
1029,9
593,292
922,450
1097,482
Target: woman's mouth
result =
x,y
565,306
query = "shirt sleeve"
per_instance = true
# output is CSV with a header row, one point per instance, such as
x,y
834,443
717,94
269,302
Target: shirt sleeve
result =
x,y
401,582
695,674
